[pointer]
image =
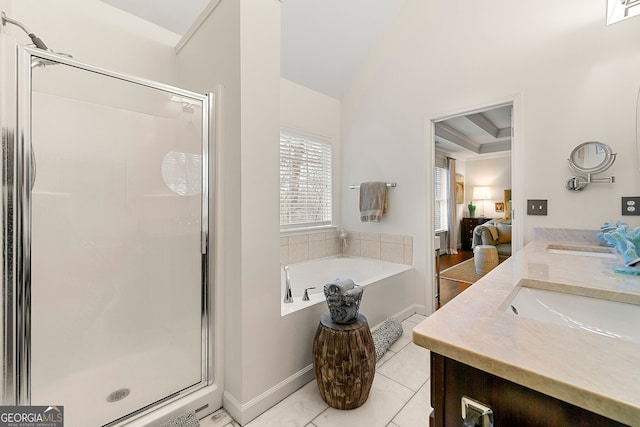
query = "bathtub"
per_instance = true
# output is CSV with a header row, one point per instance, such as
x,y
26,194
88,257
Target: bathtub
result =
x,y
388,287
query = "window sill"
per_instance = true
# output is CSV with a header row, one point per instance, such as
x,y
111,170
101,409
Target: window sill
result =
x,y
307,230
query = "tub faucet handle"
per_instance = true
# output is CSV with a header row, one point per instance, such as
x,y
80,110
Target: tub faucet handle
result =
x,y
305,297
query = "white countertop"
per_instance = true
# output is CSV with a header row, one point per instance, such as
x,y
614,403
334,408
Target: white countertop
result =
x,y
595,372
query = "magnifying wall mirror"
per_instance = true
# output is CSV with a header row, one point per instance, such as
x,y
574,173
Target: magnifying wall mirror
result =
x,y
587,159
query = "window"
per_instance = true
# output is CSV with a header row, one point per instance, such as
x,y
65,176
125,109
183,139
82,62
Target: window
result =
x,y
305,181
440,208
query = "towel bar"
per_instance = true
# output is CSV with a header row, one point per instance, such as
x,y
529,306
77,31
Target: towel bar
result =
x,y
389,184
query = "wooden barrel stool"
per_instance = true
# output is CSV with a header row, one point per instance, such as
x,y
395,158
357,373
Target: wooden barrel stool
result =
x,y
344,360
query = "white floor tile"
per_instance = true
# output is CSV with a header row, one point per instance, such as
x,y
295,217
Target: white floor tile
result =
x,y
388,355
400,343
410,367
297,410
417,318
416,412
386,398
219,418
408,326
392,424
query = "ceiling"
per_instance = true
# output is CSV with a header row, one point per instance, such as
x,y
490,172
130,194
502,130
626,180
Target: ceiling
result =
x,y
173,15
325,44
480,133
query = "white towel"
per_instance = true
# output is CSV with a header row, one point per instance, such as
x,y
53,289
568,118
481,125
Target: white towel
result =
x,y
373,201
343,284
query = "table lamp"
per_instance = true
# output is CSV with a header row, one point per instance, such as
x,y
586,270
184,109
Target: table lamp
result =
x,y
482,194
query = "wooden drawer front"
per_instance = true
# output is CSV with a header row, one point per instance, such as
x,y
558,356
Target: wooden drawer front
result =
x,y
466,232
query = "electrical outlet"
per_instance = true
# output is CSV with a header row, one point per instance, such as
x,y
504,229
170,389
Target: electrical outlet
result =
x,y
536,207
631,206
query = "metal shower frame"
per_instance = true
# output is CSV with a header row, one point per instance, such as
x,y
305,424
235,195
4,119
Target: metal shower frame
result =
x,y
16,215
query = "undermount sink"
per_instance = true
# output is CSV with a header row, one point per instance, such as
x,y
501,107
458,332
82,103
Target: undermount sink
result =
x,y
594,251
597,311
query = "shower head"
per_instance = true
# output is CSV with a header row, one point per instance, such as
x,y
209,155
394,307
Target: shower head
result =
x,y
39,62
35,39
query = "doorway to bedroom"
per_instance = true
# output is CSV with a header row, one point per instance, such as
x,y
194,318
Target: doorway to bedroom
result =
x,y
473,182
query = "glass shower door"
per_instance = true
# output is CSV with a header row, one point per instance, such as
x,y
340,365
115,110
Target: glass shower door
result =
x,y
118,242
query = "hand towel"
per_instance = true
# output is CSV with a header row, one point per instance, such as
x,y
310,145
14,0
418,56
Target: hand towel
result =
x,y
373,201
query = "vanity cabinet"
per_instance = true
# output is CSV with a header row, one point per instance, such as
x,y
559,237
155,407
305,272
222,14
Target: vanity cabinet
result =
x,y
466,231
512,404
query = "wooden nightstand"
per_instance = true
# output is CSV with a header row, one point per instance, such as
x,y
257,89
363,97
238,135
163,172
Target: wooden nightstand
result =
x,y
466,230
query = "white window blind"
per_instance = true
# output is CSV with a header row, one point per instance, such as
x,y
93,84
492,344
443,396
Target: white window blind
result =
x,y
440,208
305,181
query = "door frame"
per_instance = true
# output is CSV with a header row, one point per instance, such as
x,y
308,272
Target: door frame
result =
x,y
517,174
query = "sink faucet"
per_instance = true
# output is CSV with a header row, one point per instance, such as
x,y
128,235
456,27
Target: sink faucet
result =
x,y
287,285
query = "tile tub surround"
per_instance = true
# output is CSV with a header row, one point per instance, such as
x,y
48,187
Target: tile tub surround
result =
x,y
591,371
383,247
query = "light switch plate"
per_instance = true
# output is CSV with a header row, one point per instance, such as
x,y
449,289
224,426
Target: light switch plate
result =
x,y
537,207
631,206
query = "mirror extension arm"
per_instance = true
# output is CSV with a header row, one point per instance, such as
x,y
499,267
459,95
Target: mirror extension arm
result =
x,y
588,159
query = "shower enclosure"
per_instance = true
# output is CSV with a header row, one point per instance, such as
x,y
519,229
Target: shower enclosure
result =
x,y
106,293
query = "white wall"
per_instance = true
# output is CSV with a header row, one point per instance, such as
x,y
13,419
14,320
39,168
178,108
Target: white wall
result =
x,y
267,356
260,180
219,36
575,79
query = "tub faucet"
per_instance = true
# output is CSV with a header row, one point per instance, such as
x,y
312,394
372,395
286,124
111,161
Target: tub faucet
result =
x,y
287,285
305,297
343,237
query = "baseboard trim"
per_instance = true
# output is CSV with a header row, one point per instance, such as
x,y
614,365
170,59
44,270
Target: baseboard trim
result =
x,y
404,314
420,309
408,312
245,412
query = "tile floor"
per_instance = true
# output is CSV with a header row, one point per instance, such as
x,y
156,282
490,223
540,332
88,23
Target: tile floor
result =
x,y
399,396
